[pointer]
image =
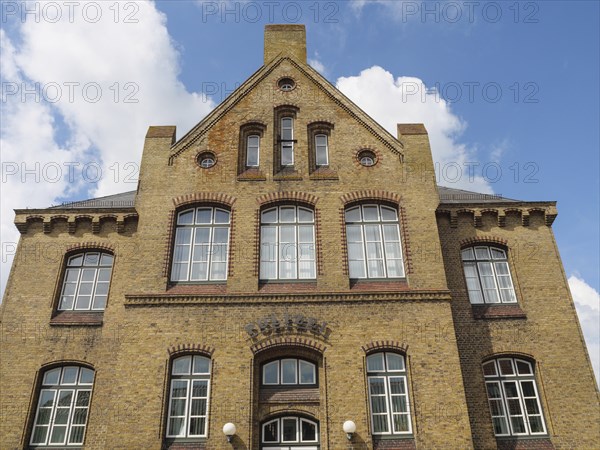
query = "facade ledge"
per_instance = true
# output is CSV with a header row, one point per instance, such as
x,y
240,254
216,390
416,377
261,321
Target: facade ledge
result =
x,y
523,210
77,318
252,175
289,395
324,173
512,311
525,443
394,443
162,299
74,218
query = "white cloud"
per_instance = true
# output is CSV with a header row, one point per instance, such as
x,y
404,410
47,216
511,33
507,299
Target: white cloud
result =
x,y
132,63
407,100
587,304
318,66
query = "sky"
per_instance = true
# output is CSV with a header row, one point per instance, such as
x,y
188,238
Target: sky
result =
x,y
508,91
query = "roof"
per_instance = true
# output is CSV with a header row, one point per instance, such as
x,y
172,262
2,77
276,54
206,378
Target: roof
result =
x,y
451,195
127,199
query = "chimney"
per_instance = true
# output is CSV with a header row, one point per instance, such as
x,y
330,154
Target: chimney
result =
x,y
285,40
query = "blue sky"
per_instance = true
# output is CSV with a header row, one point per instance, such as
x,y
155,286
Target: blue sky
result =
x,y
517,95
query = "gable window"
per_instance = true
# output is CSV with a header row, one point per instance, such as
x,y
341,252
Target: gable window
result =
x,y
513,397
319,134
287,141
62,409
289,371
373,238
188,397
487,275
201,245
287,243
388,394
253,150
86,282
289,432
321,150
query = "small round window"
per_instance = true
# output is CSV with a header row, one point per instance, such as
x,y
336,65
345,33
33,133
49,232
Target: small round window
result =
x,y
286,84
206,160
367,158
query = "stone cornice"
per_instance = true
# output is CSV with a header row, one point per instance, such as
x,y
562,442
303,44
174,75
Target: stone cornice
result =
x,y
73,218
500,210
161,299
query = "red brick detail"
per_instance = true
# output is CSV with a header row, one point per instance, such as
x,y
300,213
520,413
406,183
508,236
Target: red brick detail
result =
x,y
378,157
288,395
287,342
168,246
274,197
390,285
405,239
378,346
287,287
318,243
91,246
197,289
256,256
191,348
498,312
74,318
525,444
345,266
411,128
184,446
394,444
204,197
230,264
370,194
483,240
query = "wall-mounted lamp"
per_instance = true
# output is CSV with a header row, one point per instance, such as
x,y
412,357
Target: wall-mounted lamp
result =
x,y
229,431
349,429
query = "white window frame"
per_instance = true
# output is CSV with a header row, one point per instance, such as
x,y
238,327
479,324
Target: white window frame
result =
x,y
326,149
287,143
299,440
190,258
271,252
478,295
79,270
189,378
56,389
386,375
279,365
382,243
501,379
257,147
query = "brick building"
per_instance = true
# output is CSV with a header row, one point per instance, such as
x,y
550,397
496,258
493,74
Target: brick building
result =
x,y
288,266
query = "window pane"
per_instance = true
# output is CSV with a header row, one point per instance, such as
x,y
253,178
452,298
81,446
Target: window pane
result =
x,y
375,363
388,214
91,259
401,423
482,253
309,431
523,368
70,375
58,435
489,369
83,398
397,385
43,417
199,388
500,425
47,398
177,406
289,430
394,362
467,254
518,425
305,215
51,377
106,259
204,215
287,214
39,435
201,365
498,253
377,386
371,212
221,216
197,426
289,373
176,427
380,424
506,367
186,217
271,373
353,214
287,154
269,216
307,373
271,431
536,424
198,407
181,366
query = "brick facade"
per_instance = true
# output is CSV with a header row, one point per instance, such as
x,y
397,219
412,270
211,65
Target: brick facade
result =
x,y
242,323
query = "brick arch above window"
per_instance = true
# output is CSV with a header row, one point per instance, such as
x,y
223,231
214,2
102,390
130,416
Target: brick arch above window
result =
x,y
489,240
65,362
387,345
189,349
204,197
277,197
370,195
83,246
509,354
291,342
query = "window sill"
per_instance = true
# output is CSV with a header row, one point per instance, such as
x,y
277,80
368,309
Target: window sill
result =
x,y
382,284
502,311
252,174
287,174
524,443
184,444
213,287
78,318
394,442
286,395
281,286
324,173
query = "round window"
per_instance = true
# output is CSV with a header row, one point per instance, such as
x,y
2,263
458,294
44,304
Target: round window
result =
x,y
206,160
367,158
286,84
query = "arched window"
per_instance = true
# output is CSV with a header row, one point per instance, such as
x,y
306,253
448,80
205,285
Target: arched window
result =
x,y
289,371
487,275
62,409
287,243
388,394
513,397
201,245
86,282
373,238
188,397
290,432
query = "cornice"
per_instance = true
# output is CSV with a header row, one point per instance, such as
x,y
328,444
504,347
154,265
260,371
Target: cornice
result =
x,y
500,209
73,217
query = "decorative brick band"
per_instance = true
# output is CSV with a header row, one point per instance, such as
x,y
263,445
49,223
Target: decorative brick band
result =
x,y
483,240
204,197
287,342
498,312
191,348
394,444
405,239
525,444
76,318
345,265
377,346
90,246
168,246
184,446
292,196
370,194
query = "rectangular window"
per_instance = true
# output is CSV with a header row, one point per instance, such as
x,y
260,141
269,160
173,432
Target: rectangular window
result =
x,y
287,141
253,151
321,150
